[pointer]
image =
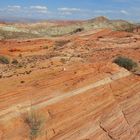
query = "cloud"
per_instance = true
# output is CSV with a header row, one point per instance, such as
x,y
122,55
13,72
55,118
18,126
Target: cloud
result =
x,y
68,11
104,11
39,9
13,8
124,12
65,9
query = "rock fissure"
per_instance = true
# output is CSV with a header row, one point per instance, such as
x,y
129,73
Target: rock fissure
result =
x,y
108,134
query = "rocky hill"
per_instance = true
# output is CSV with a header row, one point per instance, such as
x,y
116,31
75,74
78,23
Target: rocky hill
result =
x,y
59,28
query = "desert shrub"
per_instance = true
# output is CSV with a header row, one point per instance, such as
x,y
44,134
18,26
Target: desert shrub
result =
x,y
35,123
54,48
14,61
20,55
45,47
61,43
22,82
4,60
63,60
127,63
18,64
78,30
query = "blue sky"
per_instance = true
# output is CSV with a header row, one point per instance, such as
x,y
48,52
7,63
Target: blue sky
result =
x,y
70,9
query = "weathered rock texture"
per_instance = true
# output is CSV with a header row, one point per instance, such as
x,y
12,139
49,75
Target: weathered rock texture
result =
x,y
72,82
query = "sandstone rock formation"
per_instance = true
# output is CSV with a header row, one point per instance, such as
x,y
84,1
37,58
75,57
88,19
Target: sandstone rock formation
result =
x,y
72,82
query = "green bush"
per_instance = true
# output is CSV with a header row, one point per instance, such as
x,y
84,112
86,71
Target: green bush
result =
x,y
127,63
4,60
35,123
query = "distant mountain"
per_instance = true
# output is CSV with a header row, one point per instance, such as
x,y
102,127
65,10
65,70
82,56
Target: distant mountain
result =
x,y
34,28
104,22
18,20
99,19
138,24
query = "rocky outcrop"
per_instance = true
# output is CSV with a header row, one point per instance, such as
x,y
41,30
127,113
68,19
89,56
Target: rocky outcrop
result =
x,y
107,108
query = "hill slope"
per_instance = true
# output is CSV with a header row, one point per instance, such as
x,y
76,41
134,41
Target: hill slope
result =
x,y
54,28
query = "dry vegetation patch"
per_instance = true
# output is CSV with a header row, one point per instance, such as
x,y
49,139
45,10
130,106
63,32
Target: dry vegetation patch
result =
x,y
4,60
35,123
125,62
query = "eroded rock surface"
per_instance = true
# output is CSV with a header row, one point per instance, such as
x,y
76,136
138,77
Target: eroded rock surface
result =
x,y
72,82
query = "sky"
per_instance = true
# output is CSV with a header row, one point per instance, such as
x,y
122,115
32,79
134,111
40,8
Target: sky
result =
x,y
70,9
